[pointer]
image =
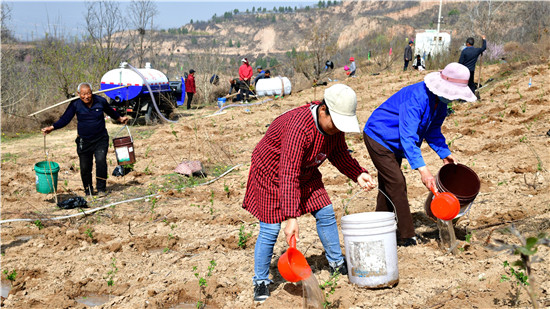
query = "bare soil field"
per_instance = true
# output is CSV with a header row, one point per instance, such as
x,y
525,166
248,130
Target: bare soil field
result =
x,y
151,253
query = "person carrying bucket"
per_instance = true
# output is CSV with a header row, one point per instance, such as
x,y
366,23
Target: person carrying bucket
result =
x,y
284,182
396,130
92,139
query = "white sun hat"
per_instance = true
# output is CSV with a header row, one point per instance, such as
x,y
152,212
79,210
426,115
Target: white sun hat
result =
x,y
451,83
341,101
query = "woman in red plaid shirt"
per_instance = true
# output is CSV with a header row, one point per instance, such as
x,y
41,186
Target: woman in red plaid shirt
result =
x,y
284,180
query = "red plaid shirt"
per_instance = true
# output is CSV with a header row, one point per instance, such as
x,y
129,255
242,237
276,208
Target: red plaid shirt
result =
x,y
284,180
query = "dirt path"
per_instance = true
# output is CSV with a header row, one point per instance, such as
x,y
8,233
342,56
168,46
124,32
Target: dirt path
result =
x,y
150,248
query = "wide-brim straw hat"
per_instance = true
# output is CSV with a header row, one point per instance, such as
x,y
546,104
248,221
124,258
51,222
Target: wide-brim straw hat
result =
x,y
451,83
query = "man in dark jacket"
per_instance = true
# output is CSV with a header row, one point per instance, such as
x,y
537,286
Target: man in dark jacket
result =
x,y
92,139
468,57
190,87
408,55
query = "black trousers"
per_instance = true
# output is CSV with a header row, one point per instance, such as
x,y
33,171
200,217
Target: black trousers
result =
x,y
471,84
87,150
189,99
406,65
245,88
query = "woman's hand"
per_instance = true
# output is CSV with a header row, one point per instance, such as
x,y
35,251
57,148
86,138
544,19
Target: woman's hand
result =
x,y
450,159
291,228
366,182
427,179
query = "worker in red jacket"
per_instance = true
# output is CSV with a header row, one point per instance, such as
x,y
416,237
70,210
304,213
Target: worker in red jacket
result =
x,y
245,74
284,182
190,87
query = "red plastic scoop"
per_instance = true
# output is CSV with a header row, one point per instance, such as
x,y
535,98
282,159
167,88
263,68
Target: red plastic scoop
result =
x,y
445,205
293,265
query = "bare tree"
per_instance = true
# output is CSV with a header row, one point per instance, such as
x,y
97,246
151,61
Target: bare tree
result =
x,y
105,23
484,17
321,45
535,19
141,17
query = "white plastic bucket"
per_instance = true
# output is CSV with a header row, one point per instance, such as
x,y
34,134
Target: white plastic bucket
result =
x,y
371,249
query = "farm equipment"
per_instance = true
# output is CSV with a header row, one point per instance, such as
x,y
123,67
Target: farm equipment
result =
x,y
146,87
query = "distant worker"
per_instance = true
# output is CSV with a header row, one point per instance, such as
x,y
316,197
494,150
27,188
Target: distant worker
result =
x,y
419,64
245,74
190,87
215,79
329,65
235,84
284,182
396,130
408,55
259,69
468,57
352,67
264,74
92,138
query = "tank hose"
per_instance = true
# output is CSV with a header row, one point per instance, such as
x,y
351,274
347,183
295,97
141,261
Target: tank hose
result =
x,y
235,105
151,93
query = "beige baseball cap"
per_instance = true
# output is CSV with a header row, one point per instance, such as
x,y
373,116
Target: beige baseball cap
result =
x,y
342,104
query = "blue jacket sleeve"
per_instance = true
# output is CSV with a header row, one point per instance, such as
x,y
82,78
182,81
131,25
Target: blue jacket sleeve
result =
x,y
434,137
66,117
410,115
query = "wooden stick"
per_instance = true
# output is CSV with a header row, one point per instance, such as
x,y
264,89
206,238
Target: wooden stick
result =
x,y
73,98
479,76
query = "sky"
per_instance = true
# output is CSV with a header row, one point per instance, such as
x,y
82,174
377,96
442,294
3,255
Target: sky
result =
x,y
30,19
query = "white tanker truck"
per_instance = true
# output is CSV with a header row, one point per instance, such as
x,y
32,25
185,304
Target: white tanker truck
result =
x,y
143,85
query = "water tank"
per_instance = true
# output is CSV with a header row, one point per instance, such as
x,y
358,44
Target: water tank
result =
x,y
124,75
273,86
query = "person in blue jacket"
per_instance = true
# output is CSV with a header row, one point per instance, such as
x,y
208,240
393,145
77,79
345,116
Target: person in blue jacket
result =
x,y
468,57
92,139
396,130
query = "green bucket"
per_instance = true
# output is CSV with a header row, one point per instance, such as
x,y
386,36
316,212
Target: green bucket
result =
x,y
46,176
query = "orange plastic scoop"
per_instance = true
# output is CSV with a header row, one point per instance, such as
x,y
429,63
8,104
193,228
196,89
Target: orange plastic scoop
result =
x,y
445,205
293,265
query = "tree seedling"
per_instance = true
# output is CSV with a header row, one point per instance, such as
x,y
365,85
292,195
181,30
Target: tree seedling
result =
x,y
526,250
201,303
329,287
11,276
90,233
110,277
153,201
38,224
243,237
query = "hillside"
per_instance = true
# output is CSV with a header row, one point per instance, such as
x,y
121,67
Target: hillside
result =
x,y
349,23
149,248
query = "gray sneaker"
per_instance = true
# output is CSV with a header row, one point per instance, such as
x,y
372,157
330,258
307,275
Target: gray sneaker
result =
x,y
261,292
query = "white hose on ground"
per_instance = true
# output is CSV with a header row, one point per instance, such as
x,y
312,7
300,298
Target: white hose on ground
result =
x,y
112,204
80,213
249,104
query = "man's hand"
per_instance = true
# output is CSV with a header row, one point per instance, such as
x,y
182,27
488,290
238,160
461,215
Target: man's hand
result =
x,y
47,130
450,159
291,228
427,179
366,182
123,119
483,37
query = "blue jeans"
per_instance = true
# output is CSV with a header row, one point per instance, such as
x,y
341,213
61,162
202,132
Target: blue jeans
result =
x,y
327,229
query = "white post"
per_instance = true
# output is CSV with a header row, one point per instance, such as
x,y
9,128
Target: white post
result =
x,y
439,17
